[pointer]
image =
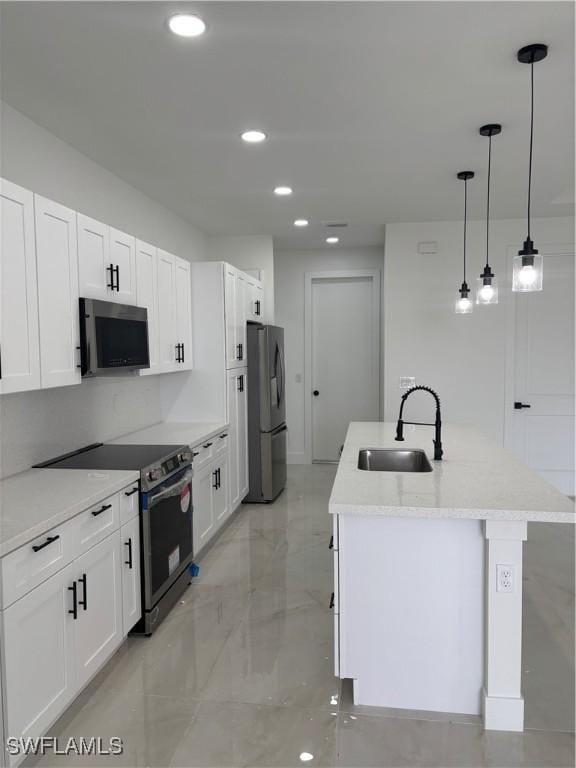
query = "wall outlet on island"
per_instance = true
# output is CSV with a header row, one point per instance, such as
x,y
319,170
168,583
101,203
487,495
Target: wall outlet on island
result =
x,y
504,578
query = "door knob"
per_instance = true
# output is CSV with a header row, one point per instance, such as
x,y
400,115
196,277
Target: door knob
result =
x,y
518,406
316,393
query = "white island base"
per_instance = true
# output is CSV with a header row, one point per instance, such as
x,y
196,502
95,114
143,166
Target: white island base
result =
x,y
428,575
415,636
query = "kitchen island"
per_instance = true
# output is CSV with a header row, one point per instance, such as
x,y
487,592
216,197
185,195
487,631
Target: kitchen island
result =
x,y
428,573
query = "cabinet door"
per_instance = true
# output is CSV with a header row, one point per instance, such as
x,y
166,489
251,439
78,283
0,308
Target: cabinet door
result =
x,y
123,257
230,316
183,314
166,311
241,291
19,339
38,654
94,260
220,492
234,382
147,296
241,435
57,269
130,561
98,630
203,522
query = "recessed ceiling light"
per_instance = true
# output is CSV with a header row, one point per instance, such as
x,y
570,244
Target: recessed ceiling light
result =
x,y
301,223
305,757
283,191
253,137
332,240
186,25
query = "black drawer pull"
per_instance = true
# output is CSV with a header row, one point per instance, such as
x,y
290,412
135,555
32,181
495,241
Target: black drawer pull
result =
x,y
129,545
74,609
224,435
518,405
195,453
206,445
132,492
331,545
84,601
97,512
332,601
215,476
49,540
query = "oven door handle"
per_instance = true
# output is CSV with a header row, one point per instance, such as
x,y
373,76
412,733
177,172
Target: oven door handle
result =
x,y
171,490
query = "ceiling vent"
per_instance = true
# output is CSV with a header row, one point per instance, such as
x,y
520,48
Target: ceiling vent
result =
x,y
335,224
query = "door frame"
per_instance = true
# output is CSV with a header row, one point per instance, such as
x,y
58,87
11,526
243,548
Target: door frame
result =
x,y
309,279
556,249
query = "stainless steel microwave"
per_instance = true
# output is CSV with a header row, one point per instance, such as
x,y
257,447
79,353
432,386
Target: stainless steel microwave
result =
x,y
113,338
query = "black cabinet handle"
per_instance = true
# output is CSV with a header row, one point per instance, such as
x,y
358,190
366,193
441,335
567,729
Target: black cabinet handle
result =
x,y
206,445
110,269
518,406
195,453
182,346
179,358
219,477
97,512
240,355
316,393
331,545
129,545
215,476
241,383
84,601
49,540
132,492
224,435
74,610
332,601
117,270
258,306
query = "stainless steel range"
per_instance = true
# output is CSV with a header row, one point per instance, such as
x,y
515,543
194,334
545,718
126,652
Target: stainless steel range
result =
x,y
165,516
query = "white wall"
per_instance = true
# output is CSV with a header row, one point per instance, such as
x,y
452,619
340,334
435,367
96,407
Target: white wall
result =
x,y
248,253
290,268
463,357
38,425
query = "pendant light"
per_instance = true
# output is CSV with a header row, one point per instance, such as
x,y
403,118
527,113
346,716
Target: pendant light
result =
x,y
527,266
464,303
486,284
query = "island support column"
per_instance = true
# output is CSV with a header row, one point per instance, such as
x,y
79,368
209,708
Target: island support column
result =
x,y
503,701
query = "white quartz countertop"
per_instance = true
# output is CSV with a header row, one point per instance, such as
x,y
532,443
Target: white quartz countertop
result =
x,y
33,502
476,479
174,433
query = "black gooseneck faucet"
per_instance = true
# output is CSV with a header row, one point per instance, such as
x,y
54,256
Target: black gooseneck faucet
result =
x,y
437,422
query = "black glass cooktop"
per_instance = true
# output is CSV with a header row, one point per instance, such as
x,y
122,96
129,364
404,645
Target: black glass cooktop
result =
x,y
126,457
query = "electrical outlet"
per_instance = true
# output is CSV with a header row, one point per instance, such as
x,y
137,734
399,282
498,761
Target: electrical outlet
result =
x,y
406,382
504,578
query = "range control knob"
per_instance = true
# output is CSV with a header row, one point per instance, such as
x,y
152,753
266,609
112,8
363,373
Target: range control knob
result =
x,y
154,474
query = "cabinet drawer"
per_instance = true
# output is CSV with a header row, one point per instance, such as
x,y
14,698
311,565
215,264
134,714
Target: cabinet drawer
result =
x,y
30,565
129,499
221,443
203,454
96,523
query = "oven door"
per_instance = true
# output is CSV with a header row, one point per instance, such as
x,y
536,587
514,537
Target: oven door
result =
x,y
166,534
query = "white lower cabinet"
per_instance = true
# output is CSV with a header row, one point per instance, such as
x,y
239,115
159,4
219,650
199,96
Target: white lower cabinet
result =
x,y
39,671
59,633
130,564
211,496
98,628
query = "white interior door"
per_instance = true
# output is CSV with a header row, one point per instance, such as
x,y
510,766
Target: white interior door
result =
x,y
345,360
542,435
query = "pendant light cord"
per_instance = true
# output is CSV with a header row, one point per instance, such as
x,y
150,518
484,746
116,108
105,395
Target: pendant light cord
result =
x,y
488,196
465,210
531,141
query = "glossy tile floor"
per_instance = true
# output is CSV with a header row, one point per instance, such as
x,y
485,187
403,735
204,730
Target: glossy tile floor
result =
x,y
241,673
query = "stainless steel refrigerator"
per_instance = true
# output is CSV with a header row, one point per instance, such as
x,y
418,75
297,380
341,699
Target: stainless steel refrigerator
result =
x,y
266,412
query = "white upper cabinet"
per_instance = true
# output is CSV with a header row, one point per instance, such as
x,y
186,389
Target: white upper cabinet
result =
x,y
106,262
183,327
19,339
57,269
166,311
236,308
147,296
123,259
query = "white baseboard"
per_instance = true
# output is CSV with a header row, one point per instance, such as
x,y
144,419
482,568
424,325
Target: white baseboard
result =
x,y
503,714
296,457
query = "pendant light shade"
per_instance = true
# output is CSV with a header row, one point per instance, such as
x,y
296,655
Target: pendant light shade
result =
x,y
487,284
527,265
464,302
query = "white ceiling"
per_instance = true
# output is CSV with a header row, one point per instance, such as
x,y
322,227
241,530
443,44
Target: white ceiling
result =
x,y
371,107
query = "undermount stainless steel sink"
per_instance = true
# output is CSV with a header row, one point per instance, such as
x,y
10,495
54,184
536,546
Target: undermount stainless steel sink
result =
x,y
384,460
